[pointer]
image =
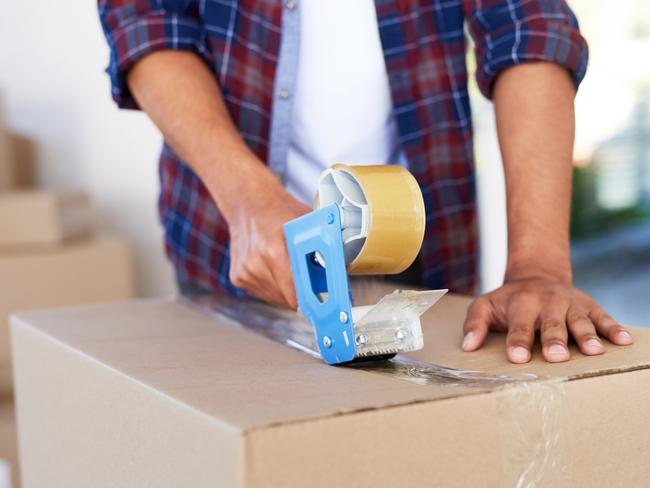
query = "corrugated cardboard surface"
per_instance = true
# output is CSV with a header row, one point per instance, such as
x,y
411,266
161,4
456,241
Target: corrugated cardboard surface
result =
x,y
30,218
81,272
153,393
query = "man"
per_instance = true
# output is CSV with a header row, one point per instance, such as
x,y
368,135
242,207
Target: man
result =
x,y
256,97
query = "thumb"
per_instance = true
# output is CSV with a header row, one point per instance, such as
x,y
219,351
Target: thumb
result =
x,y
477,324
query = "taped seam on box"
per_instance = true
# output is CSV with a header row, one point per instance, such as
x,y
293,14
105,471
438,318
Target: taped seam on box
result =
x,y
531,410
291,329
532,417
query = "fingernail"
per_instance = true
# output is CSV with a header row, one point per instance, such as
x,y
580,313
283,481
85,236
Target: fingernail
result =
x,y
520,354
468,340
557,350
625,337
594,344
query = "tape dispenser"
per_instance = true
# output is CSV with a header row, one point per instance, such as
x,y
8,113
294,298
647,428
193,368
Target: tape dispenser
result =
x,y
368,220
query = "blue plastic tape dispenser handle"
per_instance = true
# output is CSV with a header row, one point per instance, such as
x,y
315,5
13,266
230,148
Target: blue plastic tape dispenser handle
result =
x,y
323,292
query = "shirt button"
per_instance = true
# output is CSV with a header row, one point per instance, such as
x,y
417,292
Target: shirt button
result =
x,y
290,4
284,93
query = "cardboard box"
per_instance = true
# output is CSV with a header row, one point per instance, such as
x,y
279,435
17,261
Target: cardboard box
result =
x,y
87,271
23,161
156,393
6,162
31,218
9,472
16,162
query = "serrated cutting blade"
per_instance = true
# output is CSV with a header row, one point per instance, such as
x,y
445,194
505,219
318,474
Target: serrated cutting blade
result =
x,y
392,325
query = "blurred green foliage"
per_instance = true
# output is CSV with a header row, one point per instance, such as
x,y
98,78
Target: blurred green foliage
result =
x,y
588,219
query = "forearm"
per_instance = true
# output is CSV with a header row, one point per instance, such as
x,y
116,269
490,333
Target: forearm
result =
x,y
535,123
183,99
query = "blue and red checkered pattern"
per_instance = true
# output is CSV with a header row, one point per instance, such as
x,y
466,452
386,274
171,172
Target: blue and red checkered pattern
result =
x,y
424,48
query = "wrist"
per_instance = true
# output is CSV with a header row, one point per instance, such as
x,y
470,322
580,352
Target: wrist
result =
x,y
242,186
546,267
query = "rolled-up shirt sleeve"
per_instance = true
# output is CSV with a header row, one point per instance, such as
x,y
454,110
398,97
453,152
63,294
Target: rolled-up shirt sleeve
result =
x,y
135,28
509,32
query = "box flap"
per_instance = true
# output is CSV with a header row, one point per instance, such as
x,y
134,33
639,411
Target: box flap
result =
x,y
249,381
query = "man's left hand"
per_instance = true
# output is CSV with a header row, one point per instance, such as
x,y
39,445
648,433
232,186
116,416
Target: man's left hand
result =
x,y
558,310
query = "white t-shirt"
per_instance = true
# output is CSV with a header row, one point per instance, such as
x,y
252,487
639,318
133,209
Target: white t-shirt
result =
x,y
342,108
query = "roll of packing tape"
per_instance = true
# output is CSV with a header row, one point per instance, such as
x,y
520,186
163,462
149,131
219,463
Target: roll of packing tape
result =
x,y
382,215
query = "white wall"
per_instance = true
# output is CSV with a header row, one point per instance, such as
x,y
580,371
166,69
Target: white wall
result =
x,y
53,89
491,195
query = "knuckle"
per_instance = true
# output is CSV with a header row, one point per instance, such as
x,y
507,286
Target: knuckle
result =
x,y
548,296
607,320
587,301
585,334
249,269
269,253
599,315
240,277
236,280
519,329
552,325
276,250
576,315
233,274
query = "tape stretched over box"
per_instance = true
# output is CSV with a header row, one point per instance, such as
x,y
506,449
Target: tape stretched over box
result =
x,y
531,408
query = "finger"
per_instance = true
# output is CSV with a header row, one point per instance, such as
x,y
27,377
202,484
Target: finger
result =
x,y
608,327
281,271
584,332
477,324
285,278
553,330
269,294
259,282
554,336
522,316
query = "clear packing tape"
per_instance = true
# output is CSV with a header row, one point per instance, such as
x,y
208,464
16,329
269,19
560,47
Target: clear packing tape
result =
x,y
531,409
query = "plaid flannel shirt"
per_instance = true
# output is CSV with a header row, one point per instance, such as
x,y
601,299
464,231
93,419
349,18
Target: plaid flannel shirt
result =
x,y
424,47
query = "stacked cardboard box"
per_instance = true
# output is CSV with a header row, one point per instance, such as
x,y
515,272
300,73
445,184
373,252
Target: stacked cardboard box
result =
x,y
6,162
32,218
16,163
49,257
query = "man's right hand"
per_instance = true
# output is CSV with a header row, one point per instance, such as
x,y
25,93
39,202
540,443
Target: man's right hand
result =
x,y
259,263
